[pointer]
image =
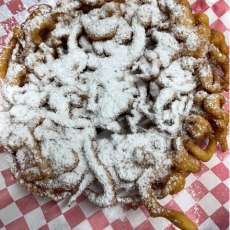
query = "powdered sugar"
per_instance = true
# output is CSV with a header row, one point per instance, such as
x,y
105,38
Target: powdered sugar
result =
x,y
188,35
167,46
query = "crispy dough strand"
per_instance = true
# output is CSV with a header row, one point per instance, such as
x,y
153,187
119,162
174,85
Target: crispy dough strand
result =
x,y
187,18
156,210
44,28
198,127
213,105
221,55
220,61
201,18
221,137
174,185
201,21
198,152
180,220
4,59
19,79
91,27
6,55
108,196
220,119
209,84
221,131
86,181
217,38
184,162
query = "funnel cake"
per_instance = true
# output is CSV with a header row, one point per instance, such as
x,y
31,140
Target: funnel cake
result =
x,y
113,99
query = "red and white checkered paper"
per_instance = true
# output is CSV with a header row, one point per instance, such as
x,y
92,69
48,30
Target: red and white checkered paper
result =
x,y
205,198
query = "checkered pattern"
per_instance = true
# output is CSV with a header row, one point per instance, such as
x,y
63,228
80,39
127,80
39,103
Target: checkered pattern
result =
x,y
205,199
